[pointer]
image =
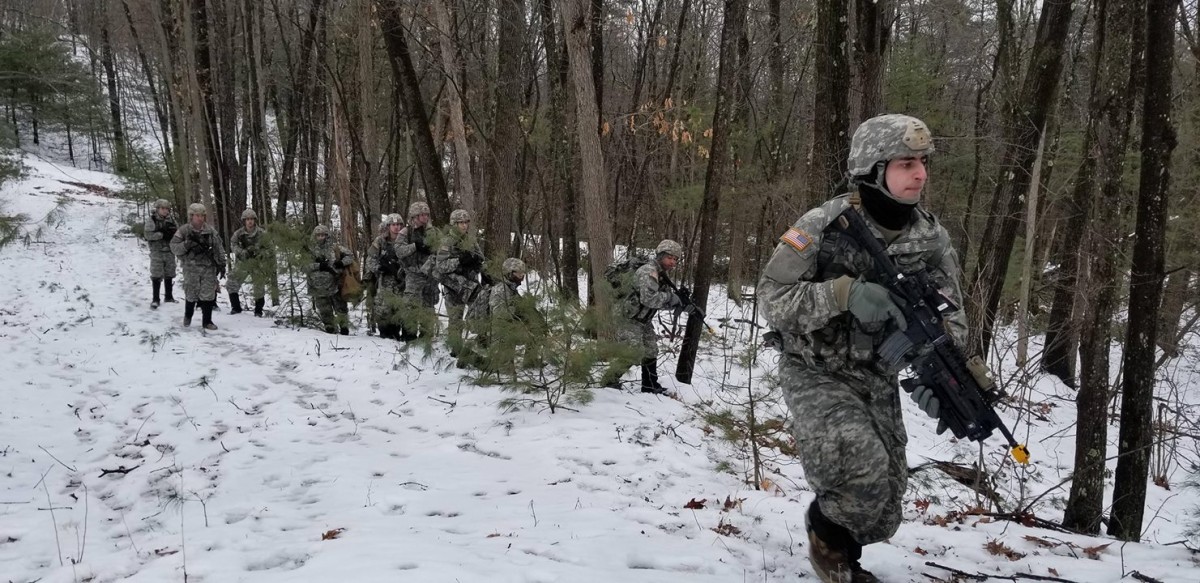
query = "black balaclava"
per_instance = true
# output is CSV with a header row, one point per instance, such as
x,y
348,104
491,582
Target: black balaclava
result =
x,y
887,211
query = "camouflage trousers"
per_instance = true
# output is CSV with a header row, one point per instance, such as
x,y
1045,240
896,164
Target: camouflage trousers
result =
x,y
421,294
333,311
162,264
260,279
638,334
454,333
850,438
200,284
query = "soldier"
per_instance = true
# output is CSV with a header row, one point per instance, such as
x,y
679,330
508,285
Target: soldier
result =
x,y
370,277
420,288
199,246
254,260
330,261
816,292
650,291
383,262
512,322
459,263
159,229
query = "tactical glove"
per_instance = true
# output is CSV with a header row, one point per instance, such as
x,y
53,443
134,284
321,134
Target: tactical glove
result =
x,y
675,301
221,272
685,296
924,398
871,303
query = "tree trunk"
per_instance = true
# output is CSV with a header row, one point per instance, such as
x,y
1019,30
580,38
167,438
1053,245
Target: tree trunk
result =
x,y
561,150
1173,304
1028,124
577,26
504,182
464,186
873,18
289,126
429,162
120,153
715,178
1111,110
831,117
1146,275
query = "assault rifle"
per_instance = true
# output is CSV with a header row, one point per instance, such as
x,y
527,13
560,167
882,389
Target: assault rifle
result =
x,y
965,401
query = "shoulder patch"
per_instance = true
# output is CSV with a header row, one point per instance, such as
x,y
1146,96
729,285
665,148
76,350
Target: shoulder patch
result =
x,y
799,240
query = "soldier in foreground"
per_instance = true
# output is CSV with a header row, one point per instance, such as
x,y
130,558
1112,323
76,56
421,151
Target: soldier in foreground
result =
x,y
459,263
160,227
648,292
329,263
816,292
253,260
383,263
199,247
421,294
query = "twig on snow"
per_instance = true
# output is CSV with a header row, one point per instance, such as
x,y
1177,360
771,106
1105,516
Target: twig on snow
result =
x,y
56,459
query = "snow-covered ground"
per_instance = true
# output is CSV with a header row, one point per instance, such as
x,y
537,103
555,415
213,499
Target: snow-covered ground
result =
x,y
132,448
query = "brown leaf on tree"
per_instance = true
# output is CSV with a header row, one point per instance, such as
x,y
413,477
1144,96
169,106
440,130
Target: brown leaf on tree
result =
x,y
332,534
1094,552
998,548
695,504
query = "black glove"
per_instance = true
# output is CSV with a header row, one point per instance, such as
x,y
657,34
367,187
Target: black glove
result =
x,y
925,399
422,246
168,230
470,262
221,271
685,296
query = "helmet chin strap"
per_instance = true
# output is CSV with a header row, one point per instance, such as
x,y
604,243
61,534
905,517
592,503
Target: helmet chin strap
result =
x,y
878,181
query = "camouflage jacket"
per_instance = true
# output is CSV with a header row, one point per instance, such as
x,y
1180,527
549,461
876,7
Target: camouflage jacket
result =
x,y
647,296
414,250
159,231
330,261
458,263
795,291
502,300
381,252
249,244
198,249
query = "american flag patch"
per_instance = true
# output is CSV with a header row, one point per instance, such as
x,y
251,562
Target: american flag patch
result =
x,y
796,238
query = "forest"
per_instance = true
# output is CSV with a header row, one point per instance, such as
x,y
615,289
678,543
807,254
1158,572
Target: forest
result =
x,y
1066,134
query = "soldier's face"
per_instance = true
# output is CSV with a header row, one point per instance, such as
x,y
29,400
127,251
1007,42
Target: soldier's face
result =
x,y
669,261
462,226
420,220
321,238
518,277
249,224
905,178
197,221
394,230
164,212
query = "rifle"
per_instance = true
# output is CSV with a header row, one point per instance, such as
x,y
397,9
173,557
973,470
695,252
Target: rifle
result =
x,y
687,358
966,402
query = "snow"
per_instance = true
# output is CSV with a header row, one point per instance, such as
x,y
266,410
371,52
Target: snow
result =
x,y
246,446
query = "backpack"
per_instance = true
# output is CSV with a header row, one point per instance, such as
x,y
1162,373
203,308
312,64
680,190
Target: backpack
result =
x,y
481,306
619,274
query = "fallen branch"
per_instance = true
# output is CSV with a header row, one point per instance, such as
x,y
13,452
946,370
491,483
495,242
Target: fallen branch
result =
x,y
56,459
984,577
120,470
1028,519
1146,578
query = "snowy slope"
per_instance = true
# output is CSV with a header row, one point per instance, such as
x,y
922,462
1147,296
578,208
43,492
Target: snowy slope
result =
x,y
238,451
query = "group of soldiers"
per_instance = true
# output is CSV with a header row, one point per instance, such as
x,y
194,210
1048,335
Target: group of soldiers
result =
x,y
816,293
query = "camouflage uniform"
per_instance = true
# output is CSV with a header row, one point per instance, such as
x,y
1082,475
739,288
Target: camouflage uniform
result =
x,y
203,258
848,426
256,262
330,261
458,265
162,261
389,285
421,292
635,322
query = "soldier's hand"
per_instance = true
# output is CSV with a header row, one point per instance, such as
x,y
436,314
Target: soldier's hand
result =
x,y
221,272
685,296
925,399
872,303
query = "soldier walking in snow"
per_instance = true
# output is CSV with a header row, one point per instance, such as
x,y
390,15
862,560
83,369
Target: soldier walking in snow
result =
x,y
255,260
330,261
459,263
420,288
816,292
383,265
199,247
158,230
647,291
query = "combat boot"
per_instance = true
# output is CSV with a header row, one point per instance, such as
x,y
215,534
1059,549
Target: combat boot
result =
x,y
155,283
235,303
650,382
189,308
258,306
833,552
167,289
206,308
